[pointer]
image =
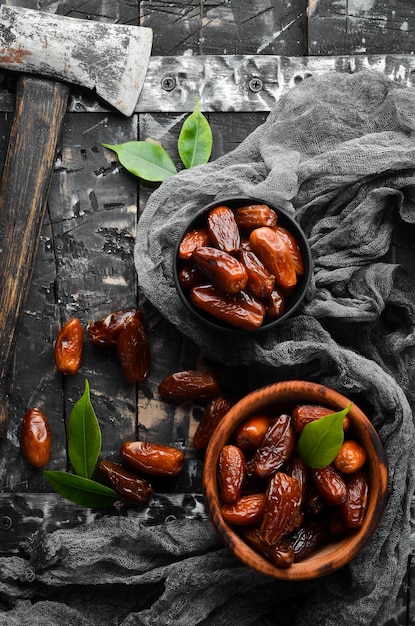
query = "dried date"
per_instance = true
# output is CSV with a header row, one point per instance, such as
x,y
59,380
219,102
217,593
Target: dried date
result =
x,y
250,434
275,449
104,332
69,347
240,310
192,240
221,268
223,229
189,385
350,458
280,554
275,255
247,510
303,414
212,415
232,473
255,216
275,304
133,350
151,458
260,281
282,507
294,248
36,438
126,483
354,508
329,484
307,539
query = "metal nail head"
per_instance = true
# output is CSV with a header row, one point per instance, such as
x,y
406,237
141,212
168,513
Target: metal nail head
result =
x,y
168,83
255,84
6,522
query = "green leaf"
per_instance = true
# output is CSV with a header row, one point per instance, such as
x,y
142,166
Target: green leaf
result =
x,y
195,139
84,436
144,159
81,490
321,439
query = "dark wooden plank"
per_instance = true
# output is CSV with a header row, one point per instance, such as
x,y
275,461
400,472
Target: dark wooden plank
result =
x,y
216,27
233,83
21,514
365,27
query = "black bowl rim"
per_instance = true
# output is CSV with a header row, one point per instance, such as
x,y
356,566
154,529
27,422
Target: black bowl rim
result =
x,y
299,295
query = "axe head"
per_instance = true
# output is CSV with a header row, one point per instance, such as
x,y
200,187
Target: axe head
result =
x,y
111,59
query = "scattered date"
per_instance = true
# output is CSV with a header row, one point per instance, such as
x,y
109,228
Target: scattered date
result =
x,y
36,438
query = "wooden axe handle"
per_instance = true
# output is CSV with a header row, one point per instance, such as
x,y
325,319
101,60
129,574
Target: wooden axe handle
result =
x,y
31,152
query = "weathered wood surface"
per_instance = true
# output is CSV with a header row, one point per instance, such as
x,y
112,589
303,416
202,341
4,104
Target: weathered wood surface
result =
x,y
360,27
84,264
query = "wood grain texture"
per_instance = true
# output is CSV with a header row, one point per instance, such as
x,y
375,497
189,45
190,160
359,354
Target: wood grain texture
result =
x,y
360,27
208,27
21,514
40,107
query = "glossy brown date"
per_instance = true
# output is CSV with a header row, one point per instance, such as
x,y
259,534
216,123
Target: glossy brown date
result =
x,y
275,304
104,332
255,216
222,269
299,470
275,255
232,473
307,539
126,483
260,281
240,310
69,347
247,510
293,247
330,485
133,350
190,276
36,438
303,414
354,508
350,458
282,507
151,458
189,385
192,240
250,434
281,554
276,448
223,229
212,415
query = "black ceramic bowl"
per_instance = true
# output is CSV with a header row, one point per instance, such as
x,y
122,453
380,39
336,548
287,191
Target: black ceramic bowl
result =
x,y
292,301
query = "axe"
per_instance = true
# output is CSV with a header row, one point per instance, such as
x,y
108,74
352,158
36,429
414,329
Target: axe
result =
x,y
52,52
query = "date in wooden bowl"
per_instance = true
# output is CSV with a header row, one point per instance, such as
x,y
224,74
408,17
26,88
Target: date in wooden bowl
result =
x,y
338,546
242,265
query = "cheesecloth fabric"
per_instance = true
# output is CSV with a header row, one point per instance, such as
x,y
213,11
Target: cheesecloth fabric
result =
x,y
338,152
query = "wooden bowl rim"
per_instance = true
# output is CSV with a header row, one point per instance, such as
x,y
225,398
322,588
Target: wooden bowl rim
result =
x,y
336,554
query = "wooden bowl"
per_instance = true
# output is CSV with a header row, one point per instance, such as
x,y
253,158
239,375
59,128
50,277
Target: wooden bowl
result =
x,y
282,397
293,300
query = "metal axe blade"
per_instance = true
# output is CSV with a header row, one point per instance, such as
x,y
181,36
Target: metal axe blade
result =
x,y
111,59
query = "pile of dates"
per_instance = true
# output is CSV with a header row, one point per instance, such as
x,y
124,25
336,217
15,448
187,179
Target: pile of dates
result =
x,y
281,507
240,266
122,331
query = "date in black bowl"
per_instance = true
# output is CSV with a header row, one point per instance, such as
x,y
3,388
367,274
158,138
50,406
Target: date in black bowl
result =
x,y
242,265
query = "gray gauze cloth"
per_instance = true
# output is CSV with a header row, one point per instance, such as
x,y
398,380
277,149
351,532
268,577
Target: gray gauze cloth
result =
x,y
338,152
